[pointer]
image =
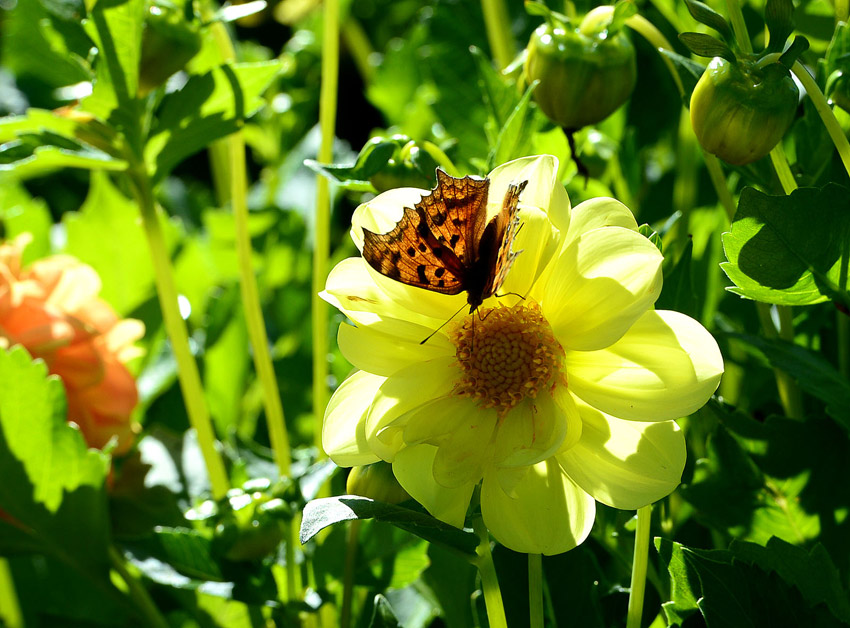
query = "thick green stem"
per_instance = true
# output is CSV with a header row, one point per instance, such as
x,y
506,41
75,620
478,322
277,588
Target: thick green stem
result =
x,y
321,248
10,611
639,563
137,592
175,327
498,32
783,169
535,590
825,112
487,571
357,43
351,544
718,180
738,25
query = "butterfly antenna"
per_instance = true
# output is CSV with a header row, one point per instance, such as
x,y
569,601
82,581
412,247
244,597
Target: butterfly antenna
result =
x,y
433,333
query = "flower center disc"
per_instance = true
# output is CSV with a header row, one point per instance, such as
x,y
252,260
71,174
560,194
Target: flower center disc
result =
x,y
506,355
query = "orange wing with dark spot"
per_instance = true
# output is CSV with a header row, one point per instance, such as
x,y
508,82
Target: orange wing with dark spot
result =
x,y
507,226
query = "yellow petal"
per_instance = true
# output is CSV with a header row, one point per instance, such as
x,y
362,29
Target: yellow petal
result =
x,y
351,288
413,470
599,286
665,367
467,449
405,390
390,345
531,432
549,515
599,212
344,427
566,402
543,191
381,214
625,464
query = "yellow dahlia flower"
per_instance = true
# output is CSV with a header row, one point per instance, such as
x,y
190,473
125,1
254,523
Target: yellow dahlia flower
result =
x,y
551,402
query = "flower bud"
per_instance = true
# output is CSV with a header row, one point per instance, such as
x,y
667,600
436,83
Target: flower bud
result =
x,y
168,43
585,74
376,481
739,112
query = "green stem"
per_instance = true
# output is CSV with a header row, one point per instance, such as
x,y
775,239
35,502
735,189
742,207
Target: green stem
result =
x,y
739,26
535,590
348,572
639,563
487,570
647,30
825,112
685,183
175,327
783,169
842,10
138,593
498,32
718,180
10,611
357,42
321,249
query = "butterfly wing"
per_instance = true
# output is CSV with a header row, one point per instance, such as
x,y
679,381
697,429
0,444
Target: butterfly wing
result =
x,y
433,244
505,225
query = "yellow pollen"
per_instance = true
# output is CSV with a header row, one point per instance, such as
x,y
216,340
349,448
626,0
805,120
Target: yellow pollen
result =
x,y
506,355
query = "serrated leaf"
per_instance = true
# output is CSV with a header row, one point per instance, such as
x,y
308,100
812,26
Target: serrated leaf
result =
x,y
778,17
706,46
320,513
52,495
704,14
790,250
207,108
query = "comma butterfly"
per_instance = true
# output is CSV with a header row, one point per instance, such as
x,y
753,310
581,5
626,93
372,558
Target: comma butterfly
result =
x,y
445,243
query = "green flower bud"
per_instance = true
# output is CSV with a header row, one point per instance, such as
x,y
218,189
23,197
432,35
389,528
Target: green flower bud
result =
x,y
168,43
739,112
376,481
585,74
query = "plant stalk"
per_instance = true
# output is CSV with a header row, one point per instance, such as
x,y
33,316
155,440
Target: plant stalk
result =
x,y
351,544
739,26
535,590
10,610
187,369
641,558
499,32
321,245
487,570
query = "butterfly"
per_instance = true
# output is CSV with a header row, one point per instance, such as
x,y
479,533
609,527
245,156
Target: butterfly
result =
x,y
445,244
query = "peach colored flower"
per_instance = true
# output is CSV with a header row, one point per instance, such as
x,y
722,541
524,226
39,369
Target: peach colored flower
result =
x,y
52,309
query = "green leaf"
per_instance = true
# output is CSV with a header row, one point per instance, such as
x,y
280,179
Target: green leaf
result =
x,y
812,372
107,235
383,615
689,72
779,19
704,14
20,213
500,98
684,587
207,108
790,250
797,48
53,485
320,513
623,10
731,590
706,46
116,28
514,138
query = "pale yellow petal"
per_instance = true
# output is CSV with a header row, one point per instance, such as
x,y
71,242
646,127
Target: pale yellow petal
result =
x,y
389,345
567,403
626,464
441,307
467,449
599,286
665,367
351,288
599,212
531,432
382,213
344,427
413,470
402,392
548,515
543,191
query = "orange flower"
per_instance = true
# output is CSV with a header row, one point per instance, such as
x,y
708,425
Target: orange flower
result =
x,y
52,309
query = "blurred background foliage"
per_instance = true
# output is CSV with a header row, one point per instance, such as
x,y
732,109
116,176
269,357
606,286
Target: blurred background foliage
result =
x,y
421,70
